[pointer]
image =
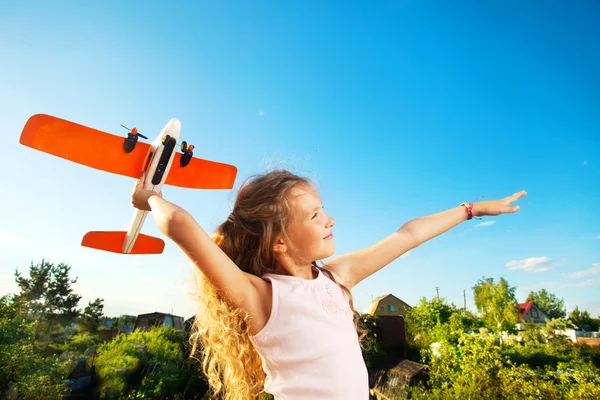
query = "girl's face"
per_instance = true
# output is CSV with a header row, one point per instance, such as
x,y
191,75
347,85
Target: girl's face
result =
x,y
310,227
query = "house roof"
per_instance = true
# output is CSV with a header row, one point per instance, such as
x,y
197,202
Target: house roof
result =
x,y
158,313
372,306
524,309
408,368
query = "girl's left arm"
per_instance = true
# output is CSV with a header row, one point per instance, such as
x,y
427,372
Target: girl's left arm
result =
x,y
356,266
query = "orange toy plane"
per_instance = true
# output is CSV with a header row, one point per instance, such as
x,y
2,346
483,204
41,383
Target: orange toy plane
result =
x,y
128,157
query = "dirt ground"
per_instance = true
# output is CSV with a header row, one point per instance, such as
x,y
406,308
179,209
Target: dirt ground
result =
x,y
589,341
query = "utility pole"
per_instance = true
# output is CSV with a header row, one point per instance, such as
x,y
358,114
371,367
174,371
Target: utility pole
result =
x,y
465,299
437,290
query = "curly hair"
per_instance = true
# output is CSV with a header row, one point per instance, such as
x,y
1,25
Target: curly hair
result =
x,y
220,334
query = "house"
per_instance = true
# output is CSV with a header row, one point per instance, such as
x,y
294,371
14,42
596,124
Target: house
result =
x,y
146,322
388,305
391,312
530,313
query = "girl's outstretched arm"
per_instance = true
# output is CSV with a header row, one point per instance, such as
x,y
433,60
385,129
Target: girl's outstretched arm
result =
x,y
238,288
356,266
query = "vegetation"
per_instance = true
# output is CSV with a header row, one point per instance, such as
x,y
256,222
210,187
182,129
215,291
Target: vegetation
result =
x,y
551,305
497,304
148,365
47,344
471,357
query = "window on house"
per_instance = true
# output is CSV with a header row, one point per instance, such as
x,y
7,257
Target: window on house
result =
x,y
534,313
391,308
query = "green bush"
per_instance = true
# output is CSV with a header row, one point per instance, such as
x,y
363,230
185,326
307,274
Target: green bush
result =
x,y
149,365
23,362
479,367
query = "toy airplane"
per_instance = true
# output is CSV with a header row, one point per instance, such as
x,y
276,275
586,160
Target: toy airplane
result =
x,y
128,157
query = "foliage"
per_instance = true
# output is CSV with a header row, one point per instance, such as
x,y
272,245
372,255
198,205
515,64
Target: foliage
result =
x,y
24,366
433,321
583,320
146,365
549,303
91,316
497,304
48,291
78,343
430,313
373,349
479,368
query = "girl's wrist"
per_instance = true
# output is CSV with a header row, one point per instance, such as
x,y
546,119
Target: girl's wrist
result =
x,y
472,210
467,209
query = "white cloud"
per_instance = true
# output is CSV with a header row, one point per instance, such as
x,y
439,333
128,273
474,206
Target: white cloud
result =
x,y
589,282
594,270
485,223
531,264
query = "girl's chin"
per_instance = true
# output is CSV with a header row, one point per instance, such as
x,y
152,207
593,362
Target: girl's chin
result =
x,y
328,252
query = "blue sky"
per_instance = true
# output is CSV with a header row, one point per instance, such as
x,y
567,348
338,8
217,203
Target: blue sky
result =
x,y
397,109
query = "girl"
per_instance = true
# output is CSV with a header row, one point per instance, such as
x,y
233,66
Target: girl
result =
x,y
270,318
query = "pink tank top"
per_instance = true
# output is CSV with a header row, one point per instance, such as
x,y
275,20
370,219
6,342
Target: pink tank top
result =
x,y
309,346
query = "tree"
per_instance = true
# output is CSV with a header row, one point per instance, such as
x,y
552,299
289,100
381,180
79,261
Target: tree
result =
x,y
429,313
373,349
22,366
497,304
48,291
92,315
435,321
583,320
549,303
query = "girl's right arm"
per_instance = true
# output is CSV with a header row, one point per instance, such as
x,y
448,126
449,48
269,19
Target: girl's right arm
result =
x,y
238,288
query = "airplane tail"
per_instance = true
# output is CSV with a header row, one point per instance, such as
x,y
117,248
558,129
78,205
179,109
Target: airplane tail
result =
x,y
113,242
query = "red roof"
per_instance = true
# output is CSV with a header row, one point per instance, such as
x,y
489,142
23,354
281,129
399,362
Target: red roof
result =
x,y
524,309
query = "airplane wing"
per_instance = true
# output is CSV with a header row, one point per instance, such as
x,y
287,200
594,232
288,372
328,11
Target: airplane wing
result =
x,y
104,151
201,174
83,145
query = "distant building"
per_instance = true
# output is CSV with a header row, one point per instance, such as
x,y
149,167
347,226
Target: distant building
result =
x,y
146,322
529,312
391,312
109,334
388,305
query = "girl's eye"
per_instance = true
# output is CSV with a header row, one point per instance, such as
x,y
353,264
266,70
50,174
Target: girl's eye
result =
x,y
317,213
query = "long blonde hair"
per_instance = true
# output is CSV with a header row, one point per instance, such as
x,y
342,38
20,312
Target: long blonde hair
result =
x,y
220,333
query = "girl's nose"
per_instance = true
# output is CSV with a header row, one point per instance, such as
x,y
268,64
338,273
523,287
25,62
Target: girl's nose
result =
x,y
331,222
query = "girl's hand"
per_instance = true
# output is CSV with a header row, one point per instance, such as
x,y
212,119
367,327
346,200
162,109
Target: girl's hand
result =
x,y
497,207
140,196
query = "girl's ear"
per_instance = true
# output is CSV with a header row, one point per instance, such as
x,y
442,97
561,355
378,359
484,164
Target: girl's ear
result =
x,y
279,246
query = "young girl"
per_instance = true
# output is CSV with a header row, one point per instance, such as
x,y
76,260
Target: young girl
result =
x,y
270,318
